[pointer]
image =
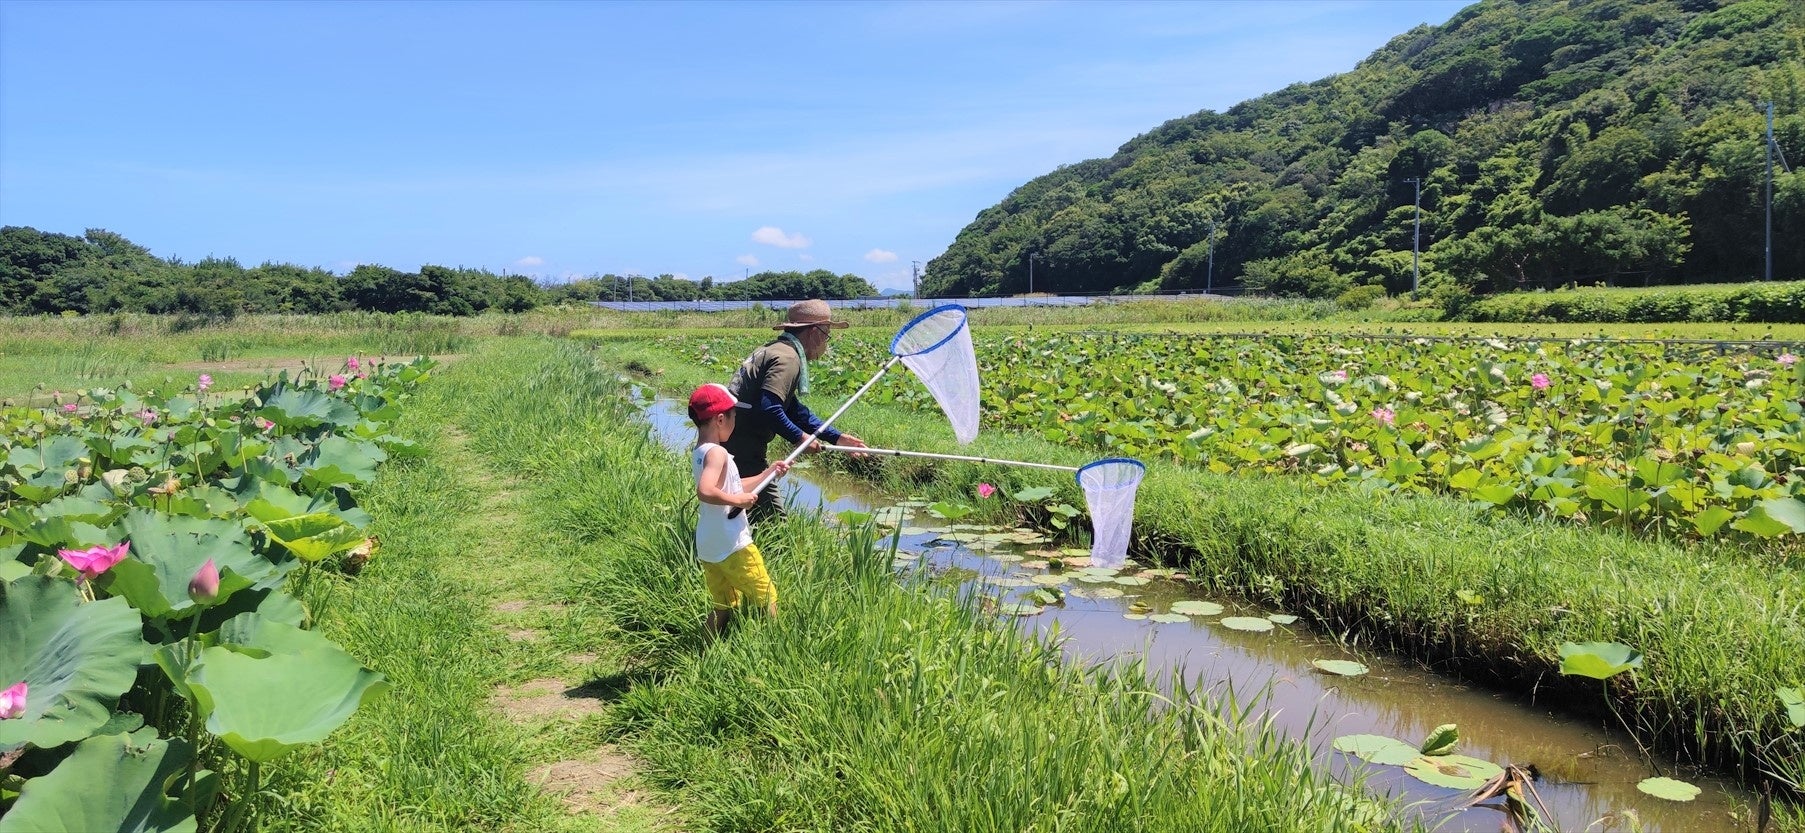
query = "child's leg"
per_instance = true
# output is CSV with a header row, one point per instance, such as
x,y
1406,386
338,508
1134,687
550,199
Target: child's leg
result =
x,y
746,569
723,597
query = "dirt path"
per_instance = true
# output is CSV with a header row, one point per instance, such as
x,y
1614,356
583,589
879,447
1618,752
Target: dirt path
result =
x,y
561,675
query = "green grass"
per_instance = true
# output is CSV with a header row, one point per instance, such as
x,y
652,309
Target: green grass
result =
x,y
865,705
459,538
1721,630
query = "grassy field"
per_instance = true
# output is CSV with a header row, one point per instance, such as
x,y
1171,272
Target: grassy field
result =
x,y
1390,572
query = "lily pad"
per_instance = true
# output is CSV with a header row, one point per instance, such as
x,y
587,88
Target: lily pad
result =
x,y
1049,579
1669,789
1442,740
1130,581
1135,616
1598,660
1093,578
1191,607
1281,618
1100,592
1252,624
1020,608
1459,772
1169,617
1340,667
1377,749
1010,581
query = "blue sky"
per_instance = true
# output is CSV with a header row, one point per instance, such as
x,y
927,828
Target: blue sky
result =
x,y
577,138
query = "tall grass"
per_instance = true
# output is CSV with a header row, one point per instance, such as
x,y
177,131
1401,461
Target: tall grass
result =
x,y
1720,631
864,705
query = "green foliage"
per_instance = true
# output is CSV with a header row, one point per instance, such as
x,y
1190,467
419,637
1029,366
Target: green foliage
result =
x,y
1772,303
1555,142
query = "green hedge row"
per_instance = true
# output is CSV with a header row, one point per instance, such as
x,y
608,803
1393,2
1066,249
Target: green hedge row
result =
x,y
1758,303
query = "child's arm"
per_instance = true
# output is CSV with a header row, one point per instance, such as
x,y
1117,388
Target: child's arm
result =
x,y
714,477
777,469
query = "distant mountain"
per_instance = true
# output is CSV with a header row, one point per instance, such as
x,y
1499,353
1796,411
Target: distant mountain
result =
x,y
1555,141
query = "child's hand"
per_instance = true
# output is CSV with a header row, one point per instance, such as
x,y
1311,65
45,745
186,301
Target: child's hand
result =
x,y
742,500
779,468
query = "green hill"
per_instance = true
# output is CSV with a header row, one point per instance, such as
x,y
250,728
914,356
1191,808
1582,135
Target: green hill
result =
x,y
1556,141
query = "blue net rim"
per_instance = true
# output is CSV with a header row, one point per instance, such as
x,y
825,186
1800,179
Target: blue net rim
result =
x,y
923,317
1079,475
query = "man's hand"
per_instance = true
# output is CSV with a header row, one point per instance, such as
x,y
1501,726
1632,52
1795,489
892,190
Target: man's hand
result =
x,y
851,441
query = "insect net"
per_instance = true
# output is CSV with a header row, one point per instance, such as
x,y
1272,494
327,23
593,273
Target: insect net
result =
x,y
1109,487
937,347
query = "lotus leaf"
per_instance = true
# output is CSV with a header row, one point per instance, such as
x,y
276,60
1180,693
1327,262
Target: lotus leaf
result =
x,y
111,782
1377,749
1598,660
77,659
1456,771
1169,617
292,407
1019,608
1131,581
1340,667
1010,581
337,461
1441,741
264,707
1668,788
1794,701
314,537
1281,618
1050,579
1033,493
1134,616
168,550
1254,624
1775,517
1197,608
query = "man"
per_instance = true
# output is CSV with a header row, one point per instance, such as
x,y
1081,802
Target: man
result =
x,y
769,381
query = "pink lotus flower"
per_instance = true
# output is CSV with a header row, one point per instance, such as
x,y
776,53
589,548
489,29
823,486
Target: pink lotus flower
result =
x,y
204,587
149,416
351,363
12,701
1385,415
1787,359
69,408
204,383
1540,381
93,561
337,381
1337,375
265,424
986,490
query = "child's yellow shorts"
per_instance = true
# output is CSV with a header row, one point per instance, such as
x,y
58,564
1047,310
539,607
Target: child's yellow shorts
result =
x,y
739,579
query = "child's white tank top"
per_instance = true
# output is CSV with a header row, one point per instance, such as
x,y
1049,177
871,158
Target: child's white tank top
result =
x,y
718,536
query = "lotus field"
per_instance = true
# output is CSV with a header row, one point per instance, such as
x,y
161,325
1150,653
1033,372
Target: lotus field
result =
x,y
156,551
1608,432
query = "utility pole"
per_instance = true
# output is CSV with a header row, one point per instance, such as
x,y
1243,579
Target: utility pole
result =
x,y
1416,235
1031,257
1768,273
915,277
1209,276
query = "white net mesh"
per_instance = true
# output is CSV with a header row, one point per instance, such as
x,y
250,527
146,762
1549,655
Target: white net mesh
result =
x,y
1109,487
937,347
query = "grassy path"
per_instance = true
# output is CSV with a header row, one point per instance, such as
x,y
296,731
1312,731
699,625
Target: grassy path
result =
x,y
501,676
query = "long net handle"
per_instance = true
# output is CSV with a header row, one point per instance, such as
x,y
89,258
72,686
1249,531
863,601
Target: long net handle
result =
x,y
803,446
896,453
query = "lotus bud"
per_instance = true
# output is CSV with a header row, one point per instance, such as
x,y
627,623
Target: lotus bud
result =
x,y
12,701
1745,448
204,587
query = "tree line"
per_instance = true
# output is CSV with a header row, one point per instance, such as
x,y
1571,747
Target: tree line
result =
x,y
1553,141
103,272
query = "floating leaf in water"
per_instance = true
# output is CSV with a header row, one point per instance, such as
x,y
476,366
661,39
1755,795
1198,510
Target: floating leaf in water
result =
x,y
1668,788
1010,581
1131,581
1100,592
1442,740
1006,557
1196,608
1046,595
1140,607
1049,579
1598,660
1076,551
1019,608
1794,701
1169,617
1377,749
1456,771
1093,578
1135,616
1340,667
1281,618
919,530
1253,624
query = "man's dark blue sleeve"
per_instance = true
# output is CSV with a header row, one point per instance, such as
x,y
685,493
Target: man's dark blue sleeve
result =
x,y
786,421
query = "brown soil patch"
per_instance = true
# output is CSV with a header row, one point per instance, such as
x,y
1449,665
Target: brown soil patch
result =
x,y
588,784
523,635
546,698
510,607
584,658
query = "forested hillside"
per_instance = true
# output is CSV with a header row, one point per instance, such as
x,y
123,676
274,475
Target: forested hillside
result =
x,y
102,272
1556,141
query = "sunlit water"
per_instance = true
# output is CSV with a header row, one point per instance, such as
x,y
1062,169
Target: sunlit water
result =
x,y
1588,775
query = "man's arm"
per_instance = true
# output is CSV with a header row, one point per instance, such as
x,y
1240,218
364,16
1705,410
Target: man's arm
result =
x,y
786,420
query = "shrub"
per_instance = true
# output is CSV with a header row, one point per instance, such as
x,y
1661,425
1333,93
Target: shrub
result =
x,y
1756,303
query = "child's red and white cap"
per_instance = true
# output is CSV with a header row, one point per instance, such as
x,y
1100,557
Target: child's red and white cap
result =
x,y
712,400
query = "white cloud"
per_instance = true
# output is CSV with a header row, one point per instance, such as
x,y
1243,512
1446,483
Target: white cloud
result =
x,y
880,256
774,236
530,261
747,260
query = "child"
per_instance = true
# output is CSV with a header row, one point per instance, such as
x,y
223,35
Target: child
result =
x,y
731,565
